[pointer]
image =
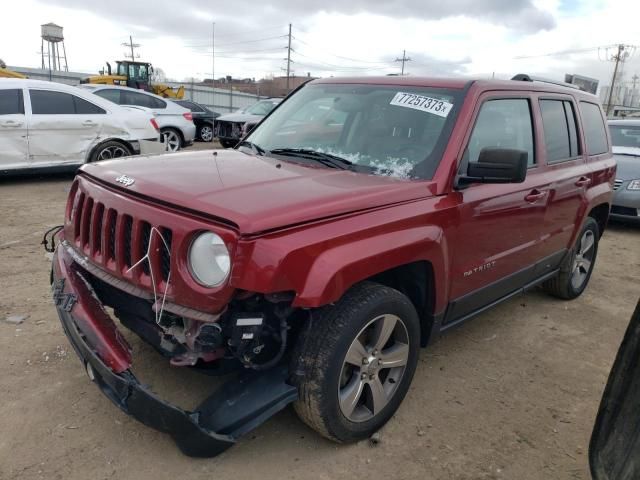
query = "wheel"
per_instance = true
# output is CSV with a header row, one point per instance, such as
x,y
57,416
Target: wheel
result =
x,y
354,362
228,143
172,140
205,133
576,269
109,150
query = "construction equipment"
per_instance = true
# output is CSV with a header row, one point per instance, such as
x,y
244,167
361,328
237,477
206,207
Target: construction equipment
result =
x,y
134,75
6,73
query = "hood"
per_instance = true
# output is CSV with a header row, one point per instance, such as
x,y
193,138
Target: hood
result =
x,y
628,166
239,118
255,193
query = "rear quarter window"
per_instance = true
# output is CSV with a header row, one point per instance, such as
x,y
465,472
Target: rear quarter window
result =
x,y
595,135
560,132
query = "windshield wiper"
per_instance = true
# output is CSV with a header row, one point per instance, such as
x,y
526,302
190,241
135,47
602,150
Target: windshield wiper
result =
x,y
324,158
256,148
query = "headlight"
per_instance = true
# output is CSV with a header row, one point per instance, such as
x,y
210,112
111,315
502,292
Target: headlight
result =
x,y
209,260
634,185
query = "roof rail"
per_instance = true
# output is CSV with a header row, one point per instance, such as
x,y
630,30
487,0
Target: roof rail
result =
x,y
523,77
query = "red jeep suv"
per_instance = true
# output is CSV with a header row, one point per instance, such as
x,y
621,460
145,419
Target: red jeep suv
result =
x,y
358,221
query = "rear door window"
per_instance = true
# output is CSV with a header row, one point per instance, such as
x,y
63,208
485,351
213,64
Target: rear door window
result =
x,y
595,135
47,102
560,133
11,102
503,123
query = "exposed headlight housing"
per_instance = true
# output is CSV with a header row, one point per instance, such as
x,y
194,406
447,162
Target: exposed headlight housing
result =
x,y
209,260
634,185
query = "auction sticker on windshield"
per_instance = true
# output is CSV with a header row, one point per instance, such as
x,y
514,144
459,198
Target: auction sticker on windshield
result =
x,y
420,102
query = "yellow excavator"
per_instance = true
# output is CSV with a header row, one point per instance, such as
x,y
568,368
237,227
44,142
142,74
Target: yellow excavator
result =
x,y
6,73
134,75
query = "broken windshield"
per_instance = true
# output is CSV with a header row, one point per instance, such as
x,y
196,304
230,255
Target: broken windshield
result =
x,y
399,131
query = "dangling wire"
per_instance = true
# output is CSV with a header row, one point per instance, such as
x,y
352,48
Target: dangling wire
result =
x,y
153,280
51,232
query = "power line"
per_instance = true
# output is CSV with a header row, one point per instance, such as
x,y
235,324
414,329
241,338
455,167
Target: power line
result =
x,y
337,56
236,43
562,52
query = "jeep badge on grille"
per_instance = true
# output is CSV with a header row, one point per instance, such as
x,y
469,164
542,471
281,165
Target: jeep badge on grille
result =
x,y
126,181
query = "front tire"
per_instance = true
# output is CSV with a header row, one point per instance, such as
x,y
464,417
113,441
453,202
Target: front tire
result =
x,y
354,362
228,143
109,150
576,270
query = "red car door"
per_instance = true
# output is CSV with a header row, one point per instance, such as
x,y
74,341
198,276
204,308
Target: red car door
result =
x,y
568,175
497,242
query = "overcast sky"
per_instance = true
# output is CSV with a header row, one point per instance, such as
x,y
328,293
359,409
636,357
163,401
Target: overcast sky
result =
x,y
334,37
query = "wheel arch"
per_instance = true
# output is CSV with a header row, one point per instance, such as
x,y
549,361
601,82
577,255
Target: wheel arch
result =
x,y
600,213
178,130
416,281
102,142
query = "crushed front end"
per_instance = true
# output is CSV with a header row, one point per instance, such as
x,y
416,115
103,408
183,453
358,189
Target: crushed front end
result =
x,y
128,255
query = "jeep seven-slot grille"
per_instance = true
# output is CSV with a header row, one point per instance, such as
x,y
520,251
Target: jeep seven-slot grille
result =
x,y
116,241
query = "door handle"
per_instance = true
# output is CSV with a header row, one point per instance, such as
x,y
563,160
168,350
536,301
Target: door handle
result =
x,y
89,123
535,195
11,124
583,182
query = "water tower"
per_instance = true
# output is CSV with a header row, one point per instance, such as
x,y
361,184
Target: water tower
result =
x,y
52,34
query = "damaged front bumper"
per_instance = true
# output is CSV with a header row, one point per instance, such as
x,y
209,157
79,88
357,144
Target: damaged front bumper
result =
x,y
236,408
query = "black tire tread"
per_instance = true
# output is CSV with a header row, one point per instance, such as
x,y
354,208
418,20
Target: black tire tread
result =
x,y
310,355
559,286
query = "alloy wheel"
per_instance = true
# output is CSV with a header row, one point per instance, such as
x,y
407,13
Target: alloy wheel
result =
x,y
373,367
113,151
582,263
171,140
206,133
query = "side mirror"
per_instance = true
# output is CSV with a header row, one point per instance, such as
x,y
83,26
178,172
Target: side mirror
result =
x,y
497,165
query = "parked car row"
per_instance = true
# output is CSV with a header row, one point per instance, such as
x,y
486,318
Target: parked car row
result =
x,y
50,125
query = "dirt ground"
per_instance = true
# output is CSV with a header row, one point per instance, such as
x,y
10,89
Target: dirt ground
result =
x,y
511,395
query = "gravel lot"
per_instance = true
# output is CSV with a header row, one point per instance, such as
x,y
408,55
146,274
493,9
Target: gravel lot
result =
x,y
511,395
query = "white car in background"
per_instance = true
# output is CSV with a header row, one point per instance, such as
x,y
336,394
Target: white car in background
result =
x,y
45,125
176,122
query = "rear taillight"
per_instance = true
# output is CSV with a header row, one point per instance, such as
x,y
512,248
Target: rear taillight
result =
x,y
155,124
188,116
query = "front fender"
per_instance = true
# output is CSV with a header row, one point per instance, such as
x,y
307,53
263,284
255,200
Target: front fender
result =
x,y
318,262
335,270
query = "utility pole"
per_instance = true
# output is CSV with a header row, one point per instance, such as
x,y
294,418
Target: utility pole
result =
x,y
131,45
289,59
617,58
404,59
634,80
213,80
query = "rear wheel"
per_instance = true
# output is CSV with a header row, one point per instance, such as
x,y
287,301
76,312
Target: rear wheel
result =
x,y
577,268
171,139
354,363
109,150
205,133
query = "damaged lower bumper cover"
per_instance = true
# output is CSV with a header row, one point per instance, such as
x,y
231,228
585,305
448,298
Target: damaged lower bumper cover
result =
x,y
231,411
